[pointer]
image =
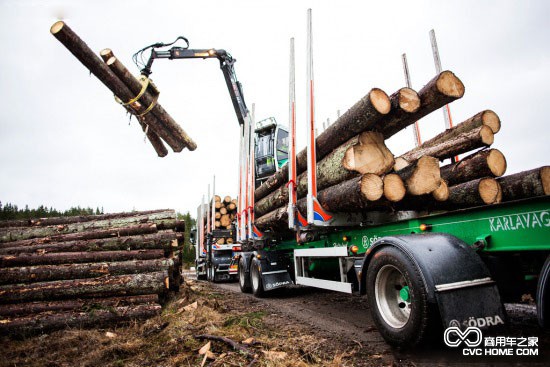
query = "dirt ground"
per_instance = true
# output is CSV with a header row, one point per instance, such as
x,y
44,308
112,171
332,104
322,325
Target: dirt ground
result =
x,y
294,327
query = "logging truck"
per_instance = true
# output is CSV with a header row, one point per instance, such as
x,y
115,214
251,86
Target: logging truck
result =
x,y
427,252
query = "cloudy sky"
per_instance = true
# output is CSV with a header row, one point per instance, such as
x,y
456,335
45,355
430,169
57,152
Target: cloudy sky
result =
x,y
65,142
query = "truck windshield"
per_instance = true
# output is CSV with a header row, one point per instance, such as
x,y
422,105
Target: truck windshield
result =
x,y
264,146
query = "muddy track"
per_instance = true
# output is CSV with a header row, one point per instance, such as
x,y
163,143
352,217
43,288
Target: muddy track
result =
x,y
346,319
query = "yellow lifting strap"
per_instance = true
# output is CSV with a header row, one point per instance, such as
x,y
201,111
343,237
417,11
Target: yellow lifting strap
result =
x,y
145,84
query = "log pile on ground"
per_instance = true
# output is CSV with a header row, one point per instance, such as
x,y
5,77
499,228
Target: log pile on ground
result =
x,y
138,97
87,270
356,172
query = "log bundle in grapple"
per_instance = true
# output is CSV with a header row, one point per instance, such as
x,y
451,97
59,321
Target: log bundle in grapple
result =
x,y
87,270
356,172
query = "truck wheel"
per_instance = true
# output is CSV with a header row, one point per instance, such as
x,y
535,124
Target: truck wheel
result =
x,y
397,297
543,290
256,278
201,276
244,281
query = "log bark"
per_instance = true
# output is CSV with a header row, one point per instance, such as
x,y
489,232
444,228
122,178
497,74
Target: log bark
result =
x,y
441,90
108,286
526,184
57,258
421,177
161,240
362,116
403,102
485,163
147,99
22,309
484,191
449,146
42,273
274,220
94,64
28,325
163,220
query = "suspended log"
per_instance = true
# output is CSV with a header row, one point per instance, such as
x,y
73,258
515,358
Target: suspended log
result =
x,y
394,187
94,64
526,184
44,322
147,100
363,116
161,240
164,220
422,176
22,309
441,90
485,163
42,273
57,258
108,286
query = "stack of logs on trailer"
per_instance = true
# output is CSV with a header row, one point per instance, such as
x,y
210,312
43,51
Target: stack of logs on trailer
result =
x,y
87,270
356,172
226,211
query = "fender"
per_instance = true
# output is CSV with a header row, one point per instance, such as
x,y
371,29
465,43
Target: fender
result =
x,y
247,257
276,269
441,258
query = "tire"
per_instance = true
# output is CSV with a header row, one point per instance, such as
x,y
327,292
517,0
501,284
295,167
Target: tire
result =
x,y
398,298
543,290
244,279
201,276
256,278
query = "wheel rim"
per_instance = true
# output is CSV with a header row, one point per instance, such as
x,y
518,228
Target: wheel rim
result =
x,y
255,277
392,295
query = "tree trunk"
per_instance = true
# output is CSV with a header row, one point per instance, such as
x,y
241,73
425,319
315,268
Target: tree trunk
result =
x,y
449,146
44,322
161,240
274,220
57,258
107,286
363,116
484,191
485,163
369,155
147,99
422,176
22,309
394,187
42,273
94,64
165,219
526,184
227,200
441,90
223,211
225,221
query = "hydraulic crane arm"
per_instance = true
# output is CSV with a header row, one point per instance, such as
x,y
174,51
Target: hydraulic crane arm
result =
x,y
226,65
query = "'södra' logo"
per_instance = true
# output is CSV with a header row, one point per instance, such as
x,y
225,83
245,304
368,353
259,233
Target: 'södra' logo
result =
x,y
472,336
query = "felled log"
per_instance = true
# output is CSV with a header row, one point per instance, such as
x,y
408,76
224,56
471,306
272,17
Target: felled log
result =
x,y
526,184
223,211
164,220
93,63
225,221
57,258
276,219
485,163
484,118
220,241
394,187
448,144
442,192
108,286
422,176
227,200
362,116
42,273
161,240
29,308
441,90
44,322
147,99
369,155
483,191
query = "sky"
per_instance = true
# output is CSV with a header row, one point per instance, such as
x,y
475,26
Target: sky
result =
x,y
64,141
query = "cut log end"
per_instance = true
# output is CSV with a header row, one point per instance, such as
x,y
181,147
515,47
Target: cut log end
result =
x,y
106,54
372,187
426,177
57,26
111,60
490,191
370,155
545,178
380,101
496,162
491,119
400,163
487,135
409,100
450,85
442,192
394,188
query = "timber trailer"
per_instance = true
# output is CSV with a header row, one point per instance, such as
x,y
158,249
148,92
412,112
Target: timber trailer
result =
x,y
417,269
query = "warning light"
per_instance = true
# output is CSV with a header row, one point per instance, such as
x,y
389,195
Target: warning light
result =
x,y
237,248
425,227
354,249
345,239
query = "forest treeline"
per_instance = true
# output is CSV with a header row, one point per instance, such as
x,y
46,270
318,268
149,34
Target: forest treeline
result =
x,y
10,211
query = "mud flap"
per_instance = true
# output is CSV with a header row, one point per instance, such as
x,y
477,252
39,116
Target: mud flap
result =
x,y
472,306
276,279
